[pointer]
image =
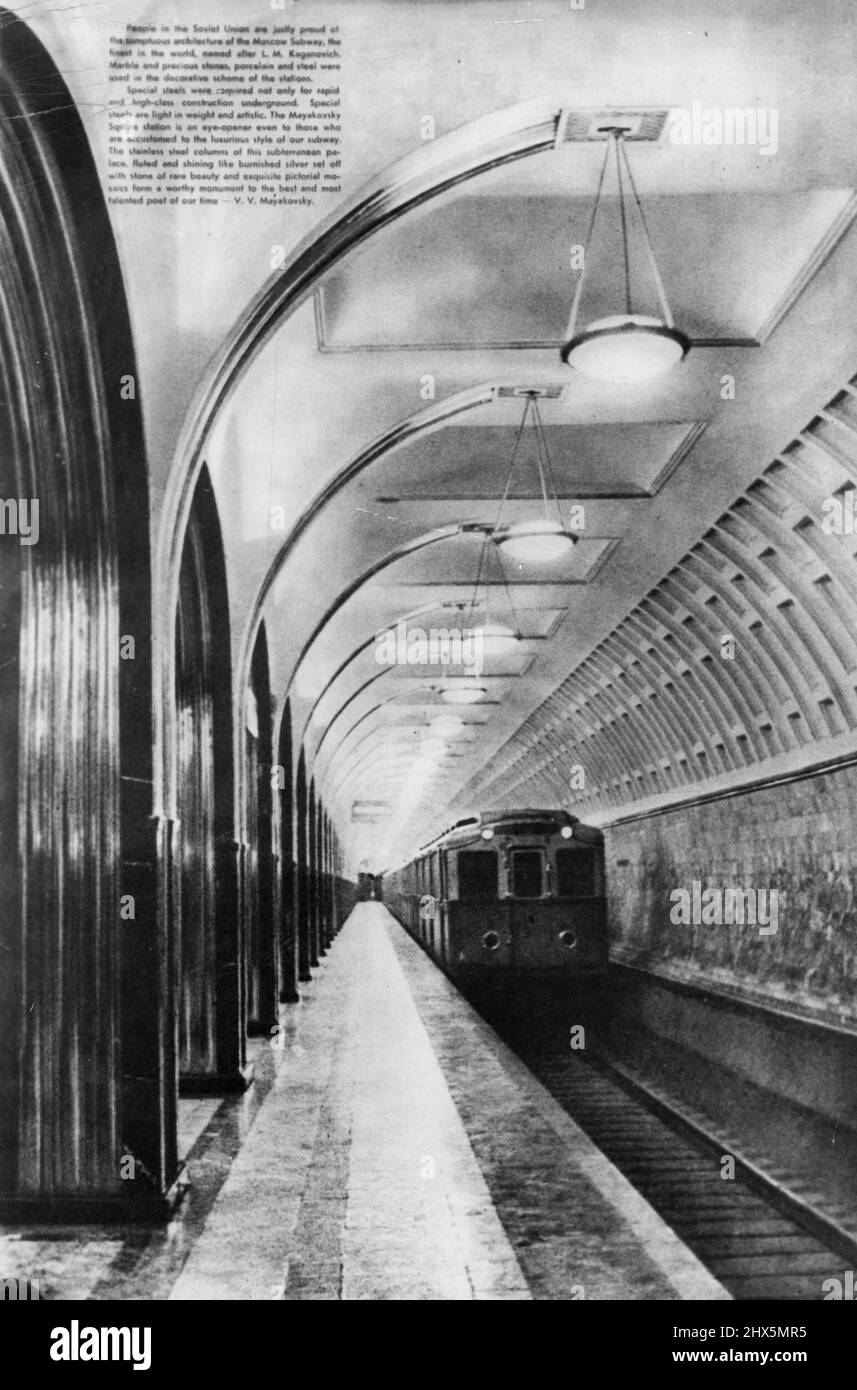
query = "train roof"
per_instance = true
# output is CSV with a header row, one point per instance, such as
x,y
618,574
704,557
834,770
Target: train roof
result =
x,y
529,813
470,826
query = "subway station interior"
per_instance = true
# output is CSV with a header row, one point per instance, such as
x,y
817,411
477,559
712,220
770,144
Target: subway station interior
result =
x,y
429,736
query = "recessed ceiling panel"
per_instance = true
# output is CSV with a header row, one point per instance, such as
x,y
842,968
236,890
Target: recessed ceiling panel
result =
x,y
445,276
588,461
532,621
459,566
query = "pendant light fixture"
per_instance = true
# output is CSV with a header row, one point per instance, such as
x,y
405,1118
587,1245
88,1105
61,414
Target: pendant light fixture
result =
x,y
463,691
625,346
495,638
543,538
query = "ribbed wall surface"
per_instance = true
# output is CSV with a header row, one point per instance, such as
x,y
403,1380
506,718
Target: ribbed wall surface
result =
x,y
655,708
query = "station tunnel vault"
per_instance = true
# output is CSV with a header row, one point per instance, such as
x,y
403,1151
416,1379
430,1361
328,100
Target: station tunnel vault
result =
x,y
709,733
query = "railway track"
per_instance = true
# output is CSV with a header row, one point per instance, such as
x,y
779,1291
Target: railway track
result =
x,y
758,1236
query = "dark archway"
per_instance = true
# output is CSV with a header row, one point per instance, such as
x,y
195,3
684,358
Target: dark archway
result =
x,y
316,949
87,1056
287,913
211,1041
328,880
260,933
302,877
324,879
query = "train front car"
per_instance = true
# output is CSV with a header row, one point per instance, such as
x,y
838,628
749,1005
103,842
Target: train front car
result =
x,y
526,897
510,896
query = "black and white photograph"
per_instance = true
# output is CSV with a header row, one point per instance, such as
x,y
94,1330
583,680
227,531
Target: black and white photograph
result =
x,y
428,665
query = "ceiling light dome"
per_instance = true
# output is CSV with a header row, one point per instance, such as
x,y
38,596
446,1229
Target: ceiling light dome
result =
x,y
463,692
626,347
538,541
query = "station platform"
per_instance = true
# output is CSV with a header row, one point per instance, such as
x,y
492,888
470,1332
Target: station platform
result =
x,y
401,1152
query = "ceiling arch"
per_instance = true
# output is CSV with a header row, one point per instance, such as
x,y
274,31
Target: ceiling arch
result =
x,y
452,159
422,611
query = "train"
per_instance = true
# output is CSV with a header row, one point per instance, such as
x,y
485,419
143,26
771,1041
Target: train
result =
x,y
369,888
508,894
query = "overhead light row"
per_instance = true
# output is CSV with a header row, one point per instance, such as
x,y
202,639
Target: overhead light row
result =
x,y
624,347
628,346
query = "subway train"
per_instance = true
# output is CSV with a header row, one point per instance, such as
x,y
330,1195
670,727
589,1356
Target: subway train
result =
x,y
508,895
369,888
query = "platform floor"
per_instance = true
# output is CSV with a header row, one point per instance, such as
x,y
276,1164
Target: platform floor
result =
x,y
393,1148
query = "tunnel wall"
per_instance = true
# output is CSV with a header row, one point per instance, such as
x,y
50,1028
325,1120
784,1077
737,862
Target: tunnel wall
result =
x,y
799,838
748,1068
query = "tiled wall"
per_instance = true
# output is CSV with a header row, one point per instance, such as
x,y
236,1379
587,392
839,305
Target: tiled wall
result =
x,y
800,839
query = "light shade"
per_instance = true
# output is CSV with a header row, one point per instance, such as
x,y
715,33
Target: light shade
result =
x,y
463,693
496,639
538,541
625,347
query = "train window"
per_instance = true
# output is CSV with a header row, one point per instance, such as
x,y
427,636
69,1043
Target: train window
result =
x,y
526,873
575,873
477,874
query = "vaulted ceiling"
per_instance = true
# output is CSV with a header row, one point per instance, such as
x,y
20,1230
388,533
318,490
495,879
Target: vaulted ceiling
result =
x,y
440,320
423,334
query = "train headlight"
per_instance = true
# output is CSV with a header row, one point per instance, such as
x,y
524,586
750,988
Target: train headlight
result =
x,y
488,833
568,940
490,941
566,832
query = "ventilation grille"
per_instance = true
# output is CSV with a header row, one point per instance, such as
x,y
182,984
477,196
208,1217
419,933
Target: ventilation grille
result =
x,y
575,127
544,393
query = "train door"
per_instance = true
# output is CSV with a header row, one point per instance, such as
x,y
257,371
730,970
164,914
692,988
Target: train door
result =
x,y
433,890
527,873
442,908
478,922
527,881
